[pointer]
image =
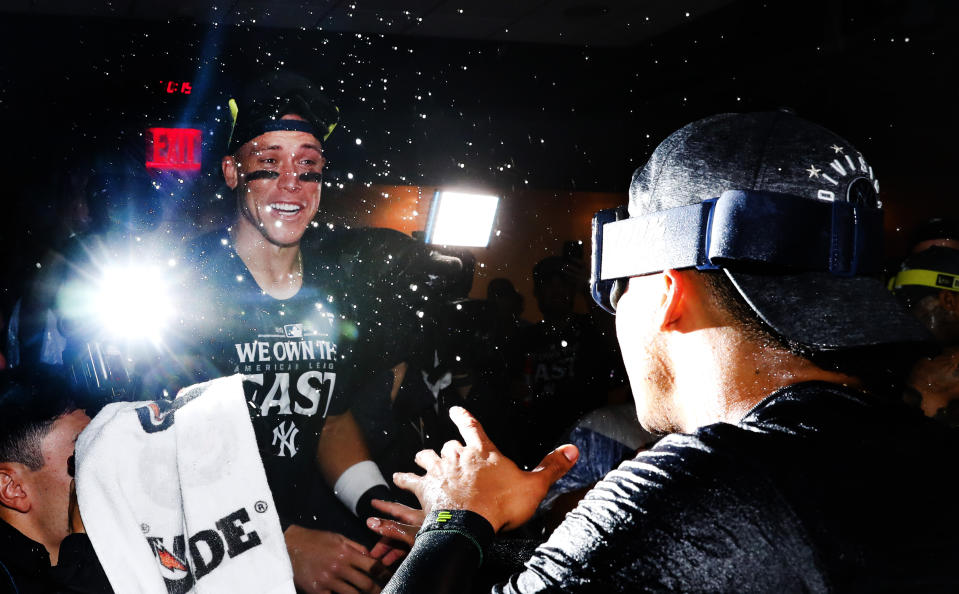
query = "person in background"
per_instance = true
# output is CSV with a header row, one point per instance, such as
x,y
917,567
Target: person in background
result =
x,y
567,368
927,284
34,337
43,548
507,302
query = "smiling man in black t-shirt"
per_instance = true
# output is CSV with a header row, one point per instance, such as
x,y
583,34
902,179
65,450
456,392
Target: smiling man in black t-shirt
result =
x,y
271,304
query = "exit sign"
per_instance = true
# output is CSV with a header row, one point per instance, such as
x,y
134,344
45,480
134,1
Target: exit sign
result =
x,y
176,149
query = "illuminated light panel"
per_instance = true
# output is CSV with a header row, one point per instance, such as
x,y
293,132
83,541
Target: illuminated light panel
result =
x,y
461,219
176,149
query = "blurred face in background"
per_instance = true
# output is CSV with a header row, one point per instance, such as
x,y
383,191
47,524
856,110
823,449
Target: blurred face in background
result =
x,y
555,296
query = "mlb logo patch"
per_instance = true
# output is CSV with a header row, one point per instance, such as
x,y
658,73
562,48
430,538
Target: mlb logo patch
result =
x,y
293,330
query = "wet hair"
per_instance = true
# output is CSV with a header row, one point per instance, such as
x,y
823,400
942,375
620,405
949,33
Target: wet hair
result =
x,y
31,400
266,99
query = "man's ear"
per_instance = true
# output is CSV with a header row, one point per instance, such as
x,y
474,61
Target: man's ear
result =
x,y
12,494
675,293
231,171
949,300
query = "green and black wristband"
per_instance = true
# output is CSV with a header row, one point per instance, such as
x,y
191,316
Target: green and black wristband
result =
x,y
467,524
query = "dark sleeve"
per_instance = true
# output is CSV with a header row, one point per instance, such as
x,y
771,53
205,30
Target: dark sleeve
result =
x,y
676,518
78,570
449,550
503,558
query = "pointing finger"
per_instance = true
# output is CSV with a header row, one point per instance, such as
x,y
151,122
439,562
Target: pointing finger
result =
x,y
471,430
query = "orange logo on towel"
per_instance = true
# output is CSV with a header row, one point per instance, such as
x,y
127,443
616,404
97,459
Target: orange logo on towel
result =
x,y
168,560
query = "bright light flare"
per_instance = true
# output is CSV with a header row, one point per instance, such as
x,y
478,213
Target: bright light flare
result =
x,y
133,303
461,219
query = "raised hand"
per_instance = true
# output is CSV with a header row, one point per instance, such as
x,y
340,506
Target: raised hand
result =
x,y
477,477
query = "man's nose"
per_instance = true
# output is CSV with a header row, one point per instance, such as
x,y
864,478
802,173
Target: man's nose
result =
x,y
289,179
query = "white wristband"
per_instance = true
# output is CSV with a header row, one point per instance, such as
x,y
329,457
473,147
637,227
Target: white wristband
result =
x,y
356,480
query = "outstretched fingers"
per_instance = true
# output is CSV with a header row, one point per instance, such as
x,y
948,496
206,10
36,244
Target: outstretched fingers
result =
x,y
410,482
471,429
401,512
405,533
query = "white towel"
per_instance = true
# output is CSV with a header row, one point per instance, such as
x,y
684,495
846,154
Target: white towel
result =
x,y
174,497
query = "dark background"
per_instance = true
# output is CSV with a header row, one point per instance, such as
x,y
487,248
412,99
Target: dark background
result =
x,y
538,110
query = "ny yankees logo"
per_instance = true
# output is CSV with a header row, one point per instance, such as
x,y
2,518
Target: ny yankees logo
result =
x,y
286,436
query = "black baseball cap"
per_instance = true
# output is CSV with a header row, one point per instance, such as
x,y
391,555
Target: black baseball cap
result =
x,y
799,226
263,103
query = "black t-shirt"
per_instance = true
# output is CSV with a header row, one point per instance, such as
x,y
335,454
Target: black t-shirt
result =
x,y
298,355
25,566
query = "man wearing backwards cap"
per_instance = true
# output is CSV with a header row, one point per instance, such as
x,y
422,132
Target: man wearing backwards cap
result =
x,y
747,326
276,311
